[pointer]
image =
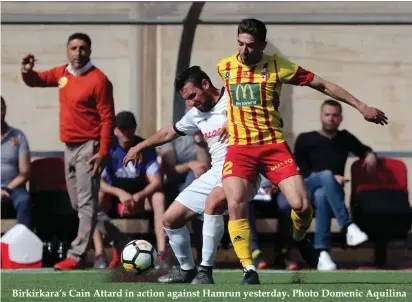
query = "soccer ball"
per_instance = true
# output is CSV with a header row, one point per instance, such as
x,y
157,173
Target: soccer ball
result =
x,y
139,256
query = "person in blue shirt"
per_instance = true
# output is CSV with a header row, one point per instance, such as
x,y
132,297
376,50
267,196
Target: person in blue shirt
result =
x,y
127,191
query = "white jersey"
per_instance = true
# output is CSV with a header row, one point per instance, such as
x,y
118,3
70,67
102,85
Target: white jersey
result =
x,y
209,123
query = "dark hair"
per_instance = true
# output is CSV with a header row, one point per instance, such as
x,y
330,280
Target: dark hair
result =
x,y
253,27
194,75
333,103
80,36
3,103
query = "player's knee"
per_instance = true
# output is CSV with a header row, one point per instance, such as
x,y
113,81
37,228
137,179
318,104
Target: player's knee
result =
x,y
301,205
216,206
167,221
216,202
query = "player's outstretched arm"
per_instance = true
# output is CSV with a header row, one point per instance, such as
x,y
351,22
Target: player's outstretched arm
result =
x,y
370,114
161,137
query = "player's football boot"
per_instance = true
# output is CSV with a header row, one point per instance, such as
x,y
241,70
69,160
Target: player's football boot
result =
x,y
100,261
308,252
178,276
204,276
115,259
250,277
67,264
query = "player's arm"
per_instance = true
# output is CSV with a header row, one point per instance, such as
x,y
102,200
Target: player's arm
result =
x,y
164,135
291,73
48,78
185,126
331,89
336,92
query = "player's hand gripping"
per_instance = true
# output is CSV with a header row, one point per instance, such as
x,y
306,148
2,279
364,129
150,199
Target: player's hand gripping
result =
x,y
373,115
27,63
134,154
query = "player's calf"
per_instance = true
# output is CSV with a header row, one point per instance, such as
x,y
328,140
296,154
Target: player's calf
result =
x,y
295,193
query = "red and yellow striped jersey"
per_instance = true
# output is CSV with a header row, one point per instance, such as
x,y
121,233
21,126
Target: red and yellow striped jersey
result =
x,y
254,94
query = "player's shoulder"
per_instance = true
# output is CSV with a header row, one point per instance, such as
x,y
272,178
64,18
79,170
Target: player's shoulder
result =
x,y
223,62
192,113
270,57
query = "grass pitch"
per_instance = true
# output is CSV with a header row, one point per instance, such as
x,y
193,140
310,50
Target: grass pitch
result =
x,y
94,285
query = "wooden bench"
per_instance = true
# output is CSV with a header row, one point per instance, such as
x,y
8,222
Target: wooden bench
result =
x,y
141,226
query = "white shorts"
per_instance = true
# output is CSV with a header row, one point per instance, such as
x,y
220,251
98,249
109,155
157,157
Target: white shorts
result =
x,y
195,195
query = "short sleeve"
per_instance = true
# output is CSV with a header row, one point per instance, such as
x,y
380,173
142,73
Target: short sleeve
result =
x,y
186,125
24,148
290,73
106,176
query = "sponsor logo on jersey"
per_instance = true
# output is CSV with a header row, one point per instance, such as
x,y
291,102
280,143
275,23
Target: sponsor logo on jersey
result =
x,y
210,134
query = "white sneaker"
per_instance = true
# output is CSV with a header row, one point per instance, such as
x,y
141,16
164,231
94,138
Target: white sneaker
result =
x,y
355,236
325,262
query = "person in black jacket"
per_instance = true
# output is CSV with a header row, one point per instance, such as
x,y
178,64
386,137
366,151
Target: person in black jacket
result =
x,y
321,157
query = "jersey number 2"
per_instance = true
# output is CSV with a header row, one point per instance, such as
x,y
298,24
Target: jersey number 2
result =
x,y
227,168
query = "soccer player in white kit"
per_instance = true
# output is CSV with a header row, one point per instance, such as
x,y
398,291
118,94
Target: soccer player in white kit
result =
x,y
208,116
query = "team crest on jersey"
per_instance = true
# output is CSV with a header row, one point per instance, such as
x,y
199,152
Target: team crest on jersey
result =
x,y
63,82
227,76
264,74
224,113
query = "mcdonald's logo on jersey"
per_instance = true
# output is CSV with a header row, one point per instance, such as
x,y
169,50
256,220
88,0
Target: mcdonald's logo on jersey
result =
x,y
245,94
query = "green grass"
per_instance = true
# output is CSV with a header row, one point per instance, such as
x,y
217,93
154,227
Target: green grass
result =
x,y
292,286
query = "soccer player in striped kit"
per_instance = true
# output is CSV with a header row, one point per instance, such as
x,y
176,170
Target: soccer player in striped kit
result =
x,y
254,82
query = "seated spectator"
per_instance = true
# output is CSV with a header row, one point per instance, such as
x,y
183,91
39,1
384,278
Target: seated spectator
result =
x,y
183,160
137,186
15,170
321,157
